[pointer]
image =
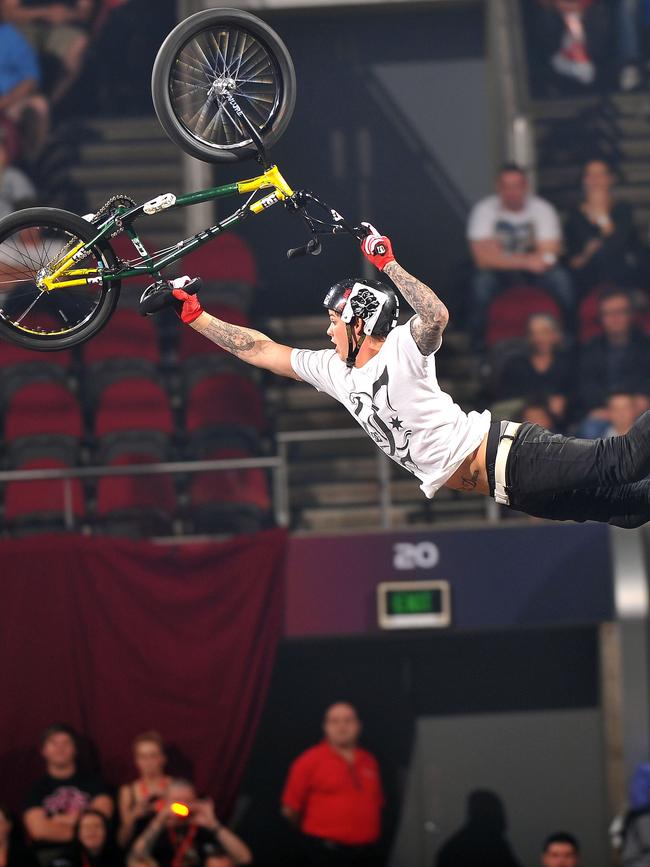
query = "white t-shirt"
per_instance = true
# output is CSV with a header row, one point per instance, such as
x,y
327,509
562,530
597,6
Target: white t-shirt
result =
x,y
517,231
396,398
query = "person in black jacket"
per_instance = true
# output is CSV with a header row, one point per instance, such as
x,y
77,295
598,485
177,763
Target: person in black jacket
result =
x,y
12,852
616,361
601,240
481,842
545,370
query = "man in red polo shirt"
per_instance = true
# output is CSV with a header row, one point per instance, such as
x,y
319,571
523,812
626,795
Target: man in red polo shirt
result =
x,y
334,795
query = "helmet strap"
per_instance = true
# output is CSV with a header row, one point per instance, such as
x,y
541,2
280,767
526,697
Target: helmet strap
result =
x,y
353,350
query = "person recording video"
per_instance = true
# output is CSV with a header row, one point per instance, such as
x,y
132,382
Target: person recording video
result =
x,y
186,833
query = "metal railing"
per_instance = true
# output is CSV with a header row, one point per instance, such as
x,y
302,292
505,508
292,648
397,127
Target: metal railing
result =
x,y
278,465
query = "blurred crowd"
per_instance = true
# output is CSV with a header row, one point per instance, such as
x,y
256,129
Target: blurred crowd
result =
x,y
332,799
583,365
589,43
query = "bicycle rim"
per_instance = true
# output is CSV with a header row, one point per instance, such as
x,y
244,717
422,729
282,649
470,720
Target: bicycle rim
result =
x,y
28,253
217,61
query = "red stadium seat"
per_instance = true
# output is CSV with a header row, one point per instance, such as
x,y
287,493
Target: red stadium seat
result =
x,y
510,310
229,500
12,355
223,400
42,503
127,336
43,408
140,504
133,404
227,258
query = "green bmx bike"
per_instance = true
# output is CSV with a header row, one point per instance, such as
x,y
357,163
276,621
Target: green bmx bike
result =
x,y
224,89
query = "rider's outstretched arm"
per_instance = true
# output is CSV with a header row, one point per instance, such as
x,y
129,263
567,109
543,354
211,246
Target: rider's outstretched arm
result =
x,y
432,315
246,343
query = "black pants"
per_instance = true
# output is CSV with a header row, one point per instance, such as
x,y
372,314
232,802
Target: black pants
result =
x,y
325,853
568,479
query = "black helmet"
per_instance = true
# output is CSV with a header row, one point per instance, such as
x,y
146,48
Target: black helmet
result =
x,y
372,301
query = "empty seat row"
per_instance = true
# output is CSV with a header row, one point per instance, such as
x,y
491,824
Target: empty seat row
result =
x,y
234,500
216,401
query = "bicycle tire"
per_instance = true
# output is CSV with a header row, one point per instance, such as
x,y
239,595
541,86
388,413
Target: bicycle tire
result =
x,y
190,117
93,306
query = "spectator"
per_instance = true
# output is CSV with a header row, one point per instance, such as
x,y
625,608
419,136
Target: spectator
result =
x,y
572,37
600,236
138,799
55,27
197,839
482,839
92,845
515,238
16,189
560,850
12,853
617,361
622,411
629,43
20,101
333,794
56,802
545,369
538,412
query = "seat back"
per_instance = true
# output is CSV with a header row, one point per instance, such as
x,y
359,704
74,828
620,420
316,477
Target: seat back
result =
x,y
510,311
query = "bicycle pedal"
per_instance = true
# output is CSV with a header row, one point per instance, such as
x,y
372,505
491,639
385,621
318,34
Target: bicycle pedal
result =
x,y
155,297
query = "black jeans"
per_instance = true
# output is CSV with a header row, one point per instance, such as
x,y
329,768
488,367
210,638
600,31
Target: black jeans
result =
x,y
567,479
325,853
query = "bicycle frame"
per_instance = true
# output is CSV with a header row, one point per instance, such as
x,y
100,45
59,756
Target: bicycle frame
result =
x,y
151,264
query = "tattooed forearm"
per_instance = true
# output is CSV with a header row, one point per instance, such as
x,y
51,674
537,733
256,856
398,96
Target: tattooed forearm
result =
x,y
145,842
243,342
432,318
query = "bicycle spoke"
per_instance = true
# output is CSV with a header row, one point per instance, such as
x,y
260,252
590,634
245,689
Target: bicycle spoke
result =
x,y
216,62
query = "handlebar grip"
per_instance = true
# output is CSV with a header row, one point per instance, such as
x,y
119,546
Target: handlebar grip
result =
x,y
295,252
195,285
313,247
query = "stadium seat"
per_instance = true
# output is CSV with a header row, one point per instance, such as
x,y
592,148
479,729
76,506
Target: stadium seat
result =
x,y
127,336
226,259
510,310
133,404
39,506
136,505
43,408
229,501
225,401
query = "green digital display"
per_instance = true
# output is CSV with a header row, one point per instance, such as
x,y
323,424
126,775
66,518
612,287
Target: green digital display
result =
x,y
425,601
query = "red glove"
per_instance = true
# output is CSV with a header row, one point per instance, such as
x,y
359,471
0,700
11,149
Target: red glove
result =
x,y
377,248
187,307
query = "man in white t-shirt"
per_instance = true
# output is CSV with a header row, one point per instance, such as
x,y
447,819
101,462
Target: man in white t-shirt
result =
x,y
515,239
385,376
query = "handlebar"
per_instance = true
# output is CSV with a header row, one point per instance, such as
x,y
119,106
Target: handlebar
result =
x,y
331,223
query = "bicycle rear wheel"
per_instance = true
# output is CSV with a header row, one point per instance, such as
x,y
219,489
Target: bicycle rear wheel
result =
x,y
33,244
209,55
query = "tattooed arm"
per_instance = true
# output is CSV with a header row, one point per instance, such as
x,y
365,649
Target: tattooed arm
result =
x,y
432,315
246,343
142,846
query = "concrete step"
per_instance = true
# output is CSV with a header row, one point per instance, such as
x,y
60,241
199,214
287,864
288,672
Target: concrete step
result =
x,y
165,177
356,518
126,129
143,152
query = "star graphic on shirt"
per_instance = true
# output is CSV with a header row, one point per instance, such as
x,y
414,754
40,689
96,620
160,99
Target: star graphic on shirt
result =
x,y
396,423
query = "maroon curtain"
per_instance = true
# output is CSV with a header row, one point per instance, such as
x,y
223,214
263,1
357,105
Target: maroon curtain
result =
x,y
116,637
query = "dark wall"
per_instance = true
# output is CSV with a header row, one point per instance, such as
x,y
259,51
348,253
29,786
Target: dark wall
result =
x,y
393,682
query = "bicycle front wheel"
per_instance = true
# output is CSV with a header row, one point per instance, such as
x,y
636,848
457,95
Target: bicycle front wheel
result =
x,y
71,307
212,54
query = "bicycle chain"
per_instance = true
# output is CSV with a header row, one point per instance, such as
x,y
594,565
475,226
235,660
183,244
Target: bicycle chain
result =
x,y
117,201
